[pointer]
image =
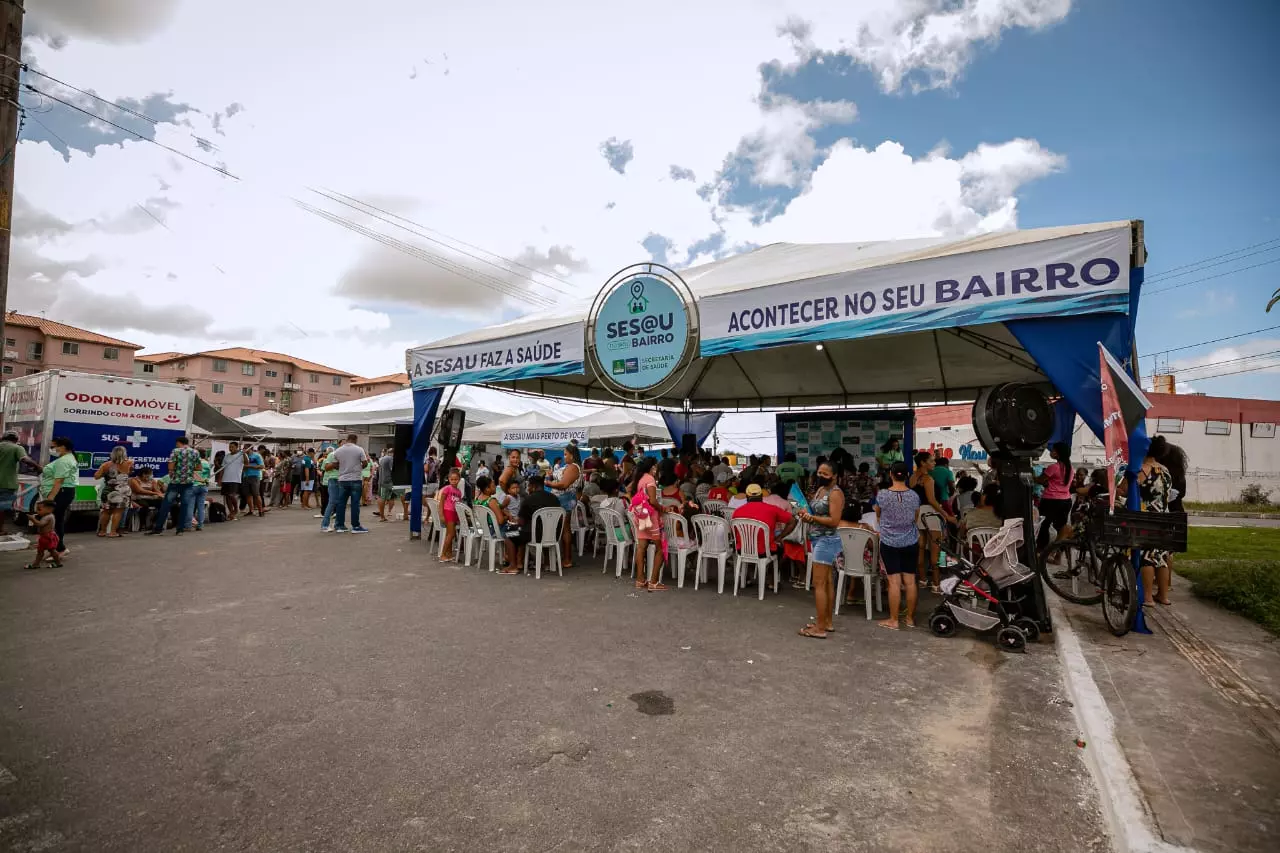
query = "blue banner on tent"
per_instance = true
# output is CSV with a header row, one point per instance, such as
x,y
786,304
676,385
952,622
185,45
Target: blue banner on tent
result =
x,y
699,423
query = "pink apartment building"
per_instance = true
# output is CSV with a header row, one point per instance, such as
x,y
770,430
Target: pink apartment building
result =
x,y
34,344
379,384
239,381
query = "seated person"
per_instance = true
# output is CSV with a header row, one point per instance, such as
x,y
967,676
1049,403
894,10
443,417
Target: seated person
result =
x,y
780,522
538,498
611,501
702,491
966,494
775,492
147,492
984,514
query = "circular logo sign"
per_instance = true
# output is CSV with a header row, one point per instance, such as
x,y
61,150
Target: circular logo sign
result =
x,y
641,332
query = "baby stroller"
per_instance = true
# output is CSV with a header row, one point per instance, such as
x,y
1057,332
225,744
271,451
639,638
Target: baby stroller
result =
x,y
983,596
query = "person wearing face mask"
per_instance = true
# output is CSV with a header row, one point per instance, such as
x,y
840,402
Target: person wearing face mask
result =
x,y
826,506
58,483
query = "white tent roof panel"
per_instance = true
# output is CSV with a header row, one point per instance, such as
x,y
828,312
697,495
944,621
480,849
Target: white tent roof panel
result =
x,y
282,427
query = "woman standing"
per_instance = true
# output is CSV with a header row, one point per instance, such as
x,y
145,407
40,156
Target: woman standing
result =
x,y
646,516
566,491
826,507
1155,485
58,483
514,472
897,509
890,453
1055,503
922,484
116,494
448,496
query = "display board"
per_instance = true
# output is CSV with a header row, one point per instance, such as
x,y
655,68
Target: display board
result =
x,y
861,432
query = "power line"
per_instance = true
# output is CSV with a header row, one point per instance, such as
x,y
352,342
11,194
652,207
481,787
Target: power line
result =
x,y
1218,264
1166,273
1234,372
1211,277
1192,369
1213,341
47,129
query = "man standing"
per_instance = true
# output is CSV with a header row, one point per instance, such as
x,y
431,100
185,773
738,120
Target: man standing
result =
x,y
200,491
790,471
349,461
232,476
944,481
386,486
722,472
308,484
12,455
184,470
251,484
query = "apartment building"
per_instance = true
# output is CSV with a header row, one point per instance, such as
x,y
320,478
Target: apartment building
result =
x,y
34,344
239,381
379,384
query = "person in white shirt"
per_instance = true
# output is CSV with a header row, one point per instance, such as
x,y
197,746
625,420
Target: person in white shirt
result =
x,y
722,472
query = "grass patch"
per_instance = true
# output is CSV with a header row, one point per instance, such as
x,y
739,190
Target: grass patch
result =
x,y
1236,567
1235,506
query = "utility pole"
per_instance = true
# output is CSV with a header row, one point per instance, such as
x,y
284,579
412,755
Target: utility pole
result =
x,y
11,12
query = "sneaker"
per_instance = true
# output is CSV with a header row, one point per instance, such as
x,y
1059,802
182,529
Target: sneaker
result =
x,y
337,530
318,515
359,530
324,529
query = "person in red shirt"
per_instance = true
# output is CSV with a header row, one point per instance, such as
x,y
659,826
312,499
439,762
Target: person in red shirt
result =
x,y
779,521
718,493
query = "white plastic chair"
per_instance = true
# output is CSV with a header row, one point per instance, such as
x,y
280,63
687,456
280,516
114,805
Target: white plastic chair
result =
x,y
617,539
599,531
974,540
711,507
854,541
679,541
670,503
490,535
546,537
748,533
713,545
579,526
468,535
726,512
435,528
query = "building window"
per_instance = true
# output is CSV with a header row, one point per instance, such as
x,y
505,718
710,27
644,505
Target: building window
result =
x,y
313,398
270,374
270,395
35,351
148,368
335,399
182,365
313,378
337,380
288,377
1217,427
246,391
1262,430
219,366
70,348
219,408
31,371
8,368
218,387
244,412
10,342
111,353
248,369
1169,425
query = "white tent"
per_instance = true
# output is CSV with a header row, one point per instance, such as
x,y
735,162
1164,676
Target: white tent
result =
x,y
482,405
616,424
282,427
491,432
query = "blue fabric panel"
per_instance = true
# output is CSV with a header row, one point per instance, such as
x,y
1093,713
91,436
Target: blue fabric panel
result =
x,y
425,403
699,423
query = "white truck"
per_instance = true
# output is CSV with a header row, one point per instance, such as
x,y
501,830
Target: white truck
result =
x,y
97,413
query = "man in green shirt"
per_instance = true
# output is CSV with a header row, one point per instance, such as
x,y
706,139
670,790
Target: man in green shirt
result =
x,y
12,455
790,470
944,479
58,481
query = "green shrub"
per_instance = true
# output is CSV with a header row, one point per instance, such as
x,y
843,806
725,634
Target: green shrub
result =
x,y
1255,495
1249,587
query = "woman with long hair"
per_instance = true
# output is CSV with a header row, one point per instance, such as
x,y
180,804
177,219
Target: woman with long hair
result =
x,y
1174,460
826,507
116,495
923,485
566,491
1155,485
1055,503
647,520
898,510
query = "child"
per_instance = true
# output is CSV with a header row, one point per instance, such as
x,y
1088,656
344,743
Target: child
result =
x,y
47,543
449,496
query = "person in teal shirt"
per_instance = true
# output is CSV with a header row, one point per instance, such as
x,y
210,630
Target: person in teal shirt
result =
x,y
944,479
790,471
58,483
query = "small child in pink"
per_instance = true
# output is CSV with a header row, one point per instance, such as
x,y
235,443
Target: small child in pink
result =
x,y
449,496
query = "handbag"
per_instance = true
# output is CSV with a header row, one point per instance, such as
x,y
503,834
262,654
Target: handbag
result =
x,y
643,512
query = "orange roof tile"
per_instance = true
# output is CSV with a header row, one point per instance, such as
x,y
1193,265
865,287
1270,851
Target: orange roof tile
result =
x,y
62,330
252,356
158,357
398,378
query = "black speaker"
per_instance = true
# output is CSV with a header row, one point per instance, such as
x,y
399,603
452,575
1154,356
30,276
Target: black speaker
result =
x,y
689,444
400,473
1013,419
452,422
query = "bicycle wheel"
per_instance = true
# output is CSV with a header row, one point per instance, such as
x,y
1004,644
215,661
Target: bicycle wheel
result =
x,y
1120,602
1070,568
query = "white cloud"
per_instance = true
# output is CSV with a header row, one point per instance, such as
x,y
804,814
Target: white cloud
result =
x,y
115,21
1253,358
494,141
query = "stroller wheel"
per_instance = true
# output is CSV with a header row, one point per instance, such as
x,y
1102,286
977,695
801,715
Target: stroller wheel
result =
x,y
942,625
1010,639
1028,627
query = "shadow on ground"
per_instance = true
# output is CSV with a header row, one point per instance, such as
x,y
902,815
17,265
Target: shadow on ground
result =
x,y
261,686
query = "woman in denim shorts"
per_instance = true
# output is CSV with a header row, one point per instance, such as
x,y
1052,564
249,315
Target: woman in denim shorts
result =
x,y
826,505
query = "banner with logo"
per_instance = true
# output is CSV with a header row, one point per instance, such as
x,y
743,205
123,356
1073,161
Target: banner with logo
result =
x,y
550,352
1085,273
544,438
641,332
99,415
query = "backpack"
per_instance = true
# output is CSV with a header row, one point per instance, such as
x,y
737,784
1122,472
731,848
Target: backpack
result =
x,y
217,512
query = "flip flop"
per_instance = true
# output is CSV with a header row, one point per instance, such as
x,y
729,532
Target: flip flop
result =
x,y
894,627
813,635
658,587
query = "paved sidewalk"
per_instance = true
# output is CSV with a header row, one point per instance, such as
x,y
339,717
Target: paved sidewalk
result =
x,y
1197,711
264,687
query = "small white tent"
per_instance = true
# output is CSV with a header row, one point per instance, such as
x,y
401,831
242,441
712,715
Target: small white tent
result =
x,y
491,432
282,427
617,424
482,405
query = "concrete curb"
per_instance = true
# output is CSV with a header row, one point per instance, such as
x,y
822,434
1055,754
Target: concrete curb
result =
x,y
1258,515
1125,808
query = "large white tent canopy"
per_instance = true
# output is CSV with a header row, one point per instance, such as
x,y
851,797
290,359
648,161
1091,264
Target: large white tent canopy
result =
x,y
482,405
617,424
491,432
282,427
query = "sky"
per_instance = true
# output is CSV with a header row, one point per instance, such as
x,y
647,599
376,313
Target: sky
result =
x,y
531,154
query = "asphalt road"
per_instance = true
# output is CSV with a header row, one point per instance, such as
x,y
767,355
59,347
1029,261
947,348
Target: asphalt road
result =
x,y
261,686
1211,521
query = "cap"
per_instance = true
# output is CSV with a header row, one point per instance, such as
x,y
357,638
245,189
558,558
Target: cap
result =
x,y
754,490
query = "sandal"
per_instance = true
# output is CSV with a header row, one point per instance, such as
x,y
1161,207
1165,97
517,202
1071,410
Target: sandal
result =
x,y
641,585
809,631
508,571
658,587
